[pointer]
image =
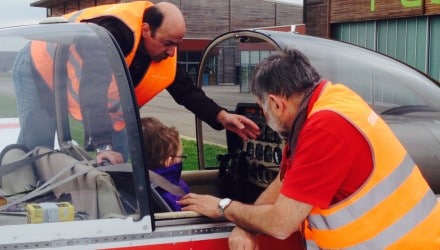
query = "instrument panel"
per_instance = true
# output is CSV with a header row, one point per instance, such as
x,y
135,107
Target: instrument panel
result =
x,y
262,155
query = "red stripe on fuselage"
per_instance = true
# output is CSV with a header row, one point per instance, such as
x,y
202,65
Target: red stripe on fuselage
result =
x,y
193,245
294,242
9,125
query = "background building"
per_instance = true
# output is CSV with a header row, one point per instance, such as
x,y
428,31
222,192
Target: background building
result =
x,y
205,20
408,30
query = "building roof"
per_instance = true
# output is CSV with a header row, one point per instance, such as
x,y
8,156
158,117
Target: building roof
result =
x,y
45,3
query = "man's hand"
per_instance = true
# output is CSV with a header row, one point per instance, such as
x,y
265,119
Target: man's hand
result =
x,y
241,239
241,125
111,156
203,204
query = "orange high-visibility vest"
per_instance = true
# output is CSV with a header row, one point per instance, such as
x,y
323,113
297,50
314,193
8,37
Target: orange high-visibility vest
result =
x,y
42,57
393,209
161,74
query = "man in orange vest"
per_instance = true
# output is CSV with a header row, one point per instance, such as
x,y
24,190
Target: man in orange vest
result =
x,y
346,181
35,72
148,35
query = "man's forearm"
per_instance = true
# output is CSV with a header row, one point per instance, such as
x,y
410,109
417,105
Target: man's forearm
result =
x,y
246,217
269,219
268,196
268,214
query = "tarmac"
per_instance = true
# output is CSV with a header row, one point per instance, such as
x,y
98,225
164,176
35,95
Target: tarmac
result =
x,y
170,113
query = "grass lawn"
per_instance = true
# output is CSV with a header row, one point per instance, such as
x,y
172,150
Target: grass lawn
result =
x,y
211,152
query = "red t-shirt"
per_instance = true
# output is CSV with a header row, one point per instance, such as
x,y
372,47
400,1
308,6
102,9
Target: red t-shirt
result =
x,y
331,160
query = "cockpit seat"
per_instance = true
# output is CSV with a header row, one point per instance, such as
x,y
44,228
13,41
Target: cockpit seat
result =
x,y
29,175
92,192
23,178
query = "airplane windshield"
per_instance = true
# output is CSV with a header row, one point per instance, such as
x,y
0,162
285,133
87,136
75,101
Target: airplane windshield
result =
x,y
64,99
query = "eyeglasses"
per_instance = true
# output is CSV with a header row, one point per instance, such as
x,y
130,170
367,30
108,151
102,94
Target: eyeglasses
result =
x,y
179,156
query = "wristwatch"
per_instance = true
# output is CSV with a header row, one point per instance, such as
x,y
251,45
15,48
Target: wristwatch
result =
x,y
222,205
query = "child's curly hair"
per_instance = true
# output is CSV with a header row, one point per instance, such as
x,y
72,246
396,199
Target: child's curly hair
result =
x,y
160,141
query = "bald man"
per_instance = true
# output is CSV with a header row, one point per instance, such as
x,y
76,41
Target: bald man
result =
x,y
162,30
160,41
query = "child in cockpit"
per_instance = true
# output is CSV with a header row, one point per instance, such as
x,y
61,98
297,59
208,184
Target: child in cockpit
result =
x,y
164,153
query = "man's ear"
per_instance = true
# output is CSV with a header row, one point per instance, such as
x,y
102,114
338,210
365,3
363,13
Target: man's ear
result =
x,y
145,30
276,103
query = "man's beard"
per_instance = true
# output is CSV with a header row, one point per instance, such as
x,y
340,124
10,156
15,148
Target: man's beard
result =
x,y
159,57
278,127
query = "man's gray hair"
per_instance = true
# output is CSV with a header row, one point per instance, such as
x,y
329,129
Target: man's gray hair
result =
x,y
283,74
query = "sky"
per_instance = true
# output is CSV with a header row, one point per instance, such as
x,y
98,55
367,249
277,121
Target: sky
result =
x,y
18,12
297,2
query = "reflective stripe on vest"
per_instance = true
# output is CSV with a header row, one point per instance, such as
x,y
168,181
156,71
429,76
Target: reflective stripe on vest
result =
x,y
42,57
380,214
159,75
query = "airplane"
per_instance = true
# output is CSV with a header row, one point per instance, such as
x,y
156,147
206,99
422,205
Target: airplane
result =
x,y
57,196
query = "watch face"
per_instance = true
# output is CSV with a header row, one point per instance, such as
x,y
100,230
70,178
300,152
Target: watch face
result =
x,y
224,202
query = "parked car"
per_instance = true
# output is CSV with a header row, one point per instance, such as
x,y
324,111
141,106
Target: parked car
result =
x,y
60,197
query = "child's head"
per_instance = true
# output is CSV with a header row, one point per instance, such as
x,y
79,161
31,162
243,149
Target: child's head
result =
x,y
163,145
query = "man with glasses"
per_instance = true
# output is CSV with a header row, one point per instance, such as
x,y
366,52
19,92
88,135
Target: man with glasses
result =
x,y
148,35
346,182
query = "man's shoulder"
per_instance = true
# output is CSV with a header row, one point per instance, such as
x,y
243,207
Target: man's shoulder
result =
x,y
119,30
